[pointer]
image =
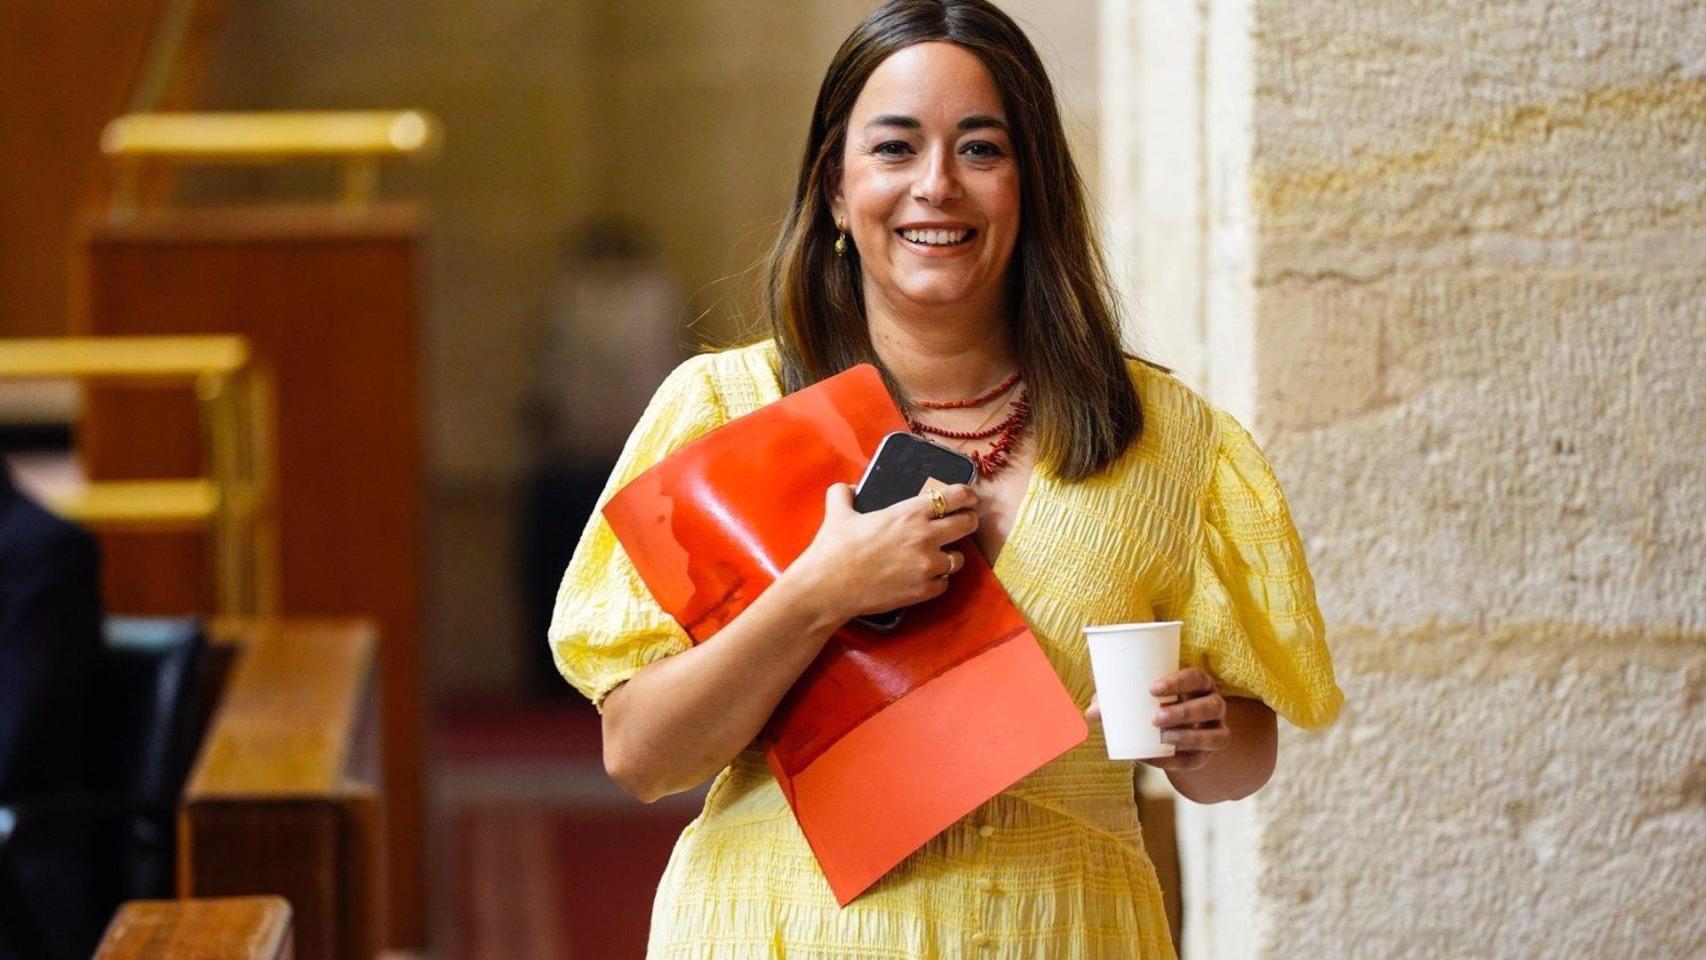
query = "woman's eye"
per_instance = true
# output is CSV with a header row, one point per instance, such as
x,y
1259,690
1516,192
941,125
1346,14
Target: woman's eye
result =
x,y
983,149
891,148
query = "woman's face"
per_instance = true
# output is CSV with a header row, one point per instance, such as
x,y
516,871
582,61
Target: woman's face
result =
x,y
930,186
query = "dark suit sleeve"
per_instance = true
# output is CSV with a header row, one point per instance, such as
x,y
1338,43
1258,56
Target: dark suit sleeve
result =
x,y
50,622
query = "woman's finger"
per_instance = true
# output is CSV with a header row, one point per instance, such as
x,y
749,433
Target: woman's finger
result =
x,y
955,497
1209,709
837,499
1094,713
1203,739
1189,682
955,562
955,526
960,496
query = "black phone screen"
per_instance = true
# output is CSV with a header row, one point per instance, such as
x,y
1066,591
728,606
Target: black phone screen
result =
x,y
899,471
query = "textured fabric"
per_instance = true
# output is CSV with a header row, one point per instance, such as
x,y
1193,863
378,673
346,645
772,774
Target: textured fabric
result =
x,y
1189,524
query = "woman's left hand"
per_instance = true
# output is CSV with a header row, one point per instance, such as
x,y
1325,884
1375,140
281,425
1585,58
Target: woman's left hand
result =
x,y
1195,726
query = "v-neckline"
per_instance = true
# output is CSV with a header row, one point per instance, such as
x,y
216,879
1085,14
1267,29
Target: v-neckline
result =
x,y
1021,514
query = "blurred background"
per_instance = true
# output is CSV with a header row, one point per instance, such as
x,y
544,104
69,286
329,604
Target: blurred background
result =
x,y
327,320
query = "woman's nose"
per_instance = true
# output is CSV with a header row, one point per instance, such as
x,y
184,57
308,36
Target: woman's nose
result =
x,y
936,183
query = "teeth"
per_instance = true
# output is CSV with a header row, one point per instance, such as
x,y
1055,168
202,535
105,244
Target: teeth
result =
x,y
935,237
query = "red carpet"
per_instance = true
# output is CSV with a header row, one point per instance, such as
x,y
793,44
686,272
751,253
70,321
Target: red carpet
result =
x,y
542,857
487,728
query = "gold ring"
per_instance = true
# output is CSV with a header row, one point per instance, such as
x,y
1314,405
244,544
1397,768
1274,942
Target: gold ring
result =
x,y
938,504
953,567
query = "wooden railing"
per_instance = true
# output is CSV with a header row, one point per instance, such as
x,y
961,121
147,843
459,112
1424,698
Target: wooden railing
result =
x,y
286,797
357,140
235,928
233,501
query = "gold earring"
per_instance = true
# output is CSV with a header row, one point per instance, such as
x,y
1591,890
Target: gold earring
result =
x,y
841,239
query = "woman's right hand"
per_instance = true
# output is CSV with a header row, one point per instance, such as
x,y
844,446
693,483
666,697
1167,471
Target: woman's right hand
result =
x,y
864,563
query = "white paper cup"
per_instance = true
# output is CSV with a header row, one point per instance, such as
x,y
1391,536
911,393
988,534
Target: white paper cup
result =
x,y
1125,658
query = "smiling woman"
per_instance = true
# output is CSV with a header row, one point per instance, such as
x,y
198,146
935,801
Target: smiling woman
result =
x,y
941,117
931,195
939,231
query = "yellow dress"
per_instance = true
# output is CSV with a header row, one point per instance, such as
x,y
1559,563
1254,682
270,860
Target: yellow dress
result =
x,y
1189,524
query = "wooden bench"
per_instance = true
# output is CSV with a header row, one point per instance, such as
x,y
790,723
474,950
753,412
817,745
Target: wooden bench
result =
x,y
239,928
285,797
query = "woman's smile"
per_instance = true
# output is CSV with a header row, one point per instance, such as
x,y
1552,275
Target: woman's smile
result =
x,y
936,240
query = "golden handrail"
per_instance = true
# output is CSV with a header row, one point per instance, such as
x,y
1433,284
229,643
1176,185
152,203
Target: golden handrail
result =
x,y
122,358
358,138
271,136
141,505
234,502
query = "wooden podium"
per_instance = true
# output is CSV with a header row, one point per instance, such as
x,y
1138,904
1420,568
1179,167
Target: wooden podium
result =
x,y
328,298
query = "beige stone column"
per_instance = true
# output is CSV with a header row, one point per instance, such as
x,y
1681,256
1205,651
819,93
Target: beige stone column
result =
x,y
1446,259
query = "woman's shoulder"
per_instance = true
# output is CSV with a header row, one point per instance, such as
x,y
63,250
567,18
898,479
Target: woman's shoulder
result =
x,y
751,361
702,393
738,379
1217,453
713,372
1177,421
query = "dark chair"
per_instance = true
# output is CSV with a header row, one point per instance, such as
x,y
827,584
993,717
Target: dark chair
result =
x,y
68,859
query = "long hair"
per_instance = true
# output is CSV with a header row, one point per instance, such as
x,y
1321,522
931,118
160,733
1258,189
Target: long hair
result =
x,y
1065,330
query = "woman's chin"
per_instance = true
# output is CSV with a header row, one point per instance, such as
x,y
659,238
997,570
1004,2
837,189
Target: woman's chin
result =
x,y
932,292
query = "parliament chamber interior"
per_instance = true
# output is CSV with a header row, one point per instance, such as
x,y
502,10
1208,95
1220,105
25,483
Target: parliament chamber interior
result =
x,y
320,327
323,325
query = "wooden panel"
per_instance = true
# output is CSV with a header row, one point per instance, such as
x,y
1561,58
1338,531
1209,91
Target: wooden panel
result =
x,y
66,69
235,928
329,301
278,802
362,880
288,849
166,574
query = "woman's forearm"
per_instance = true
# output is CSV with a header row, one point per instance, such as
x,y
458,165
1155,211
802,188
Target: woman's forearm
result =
x,y
683,718
1244,766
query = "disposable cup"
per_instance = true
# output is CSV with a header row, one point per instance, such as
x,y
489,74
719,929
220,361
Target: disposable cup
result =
x,y
1125,658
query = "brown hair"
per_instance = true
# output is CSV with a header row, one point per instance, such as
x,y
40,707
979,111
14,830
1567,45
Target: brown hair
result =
x,y
1065,330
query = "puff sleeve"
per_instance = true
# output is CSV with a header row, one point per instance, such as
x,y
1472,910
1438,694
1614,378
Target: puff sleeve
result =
x,y
1250,616
605,625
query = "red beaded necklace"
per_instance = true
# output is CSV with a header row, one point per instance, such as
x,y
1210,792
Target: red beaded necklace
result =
x,y
1007,432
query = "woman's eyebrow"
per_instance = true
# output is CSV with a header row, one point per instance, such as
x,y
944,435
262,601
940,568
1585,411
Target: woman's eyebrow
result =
x,y
977,121
894,120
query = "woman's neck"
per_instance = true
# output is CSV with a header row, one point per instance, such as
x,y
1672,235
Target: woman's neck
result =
x,y
943,356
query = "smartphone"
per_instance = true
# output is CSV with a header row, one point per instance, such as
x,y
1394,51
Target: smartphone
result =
x,y
903,465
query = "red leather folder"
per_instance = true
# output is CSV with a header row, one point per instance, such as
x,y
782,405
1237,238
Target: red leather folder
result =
x,y
886,739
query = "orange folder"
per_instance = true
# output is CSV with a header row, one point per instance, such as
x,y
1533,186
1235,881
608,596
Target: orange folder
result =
x,y
887,738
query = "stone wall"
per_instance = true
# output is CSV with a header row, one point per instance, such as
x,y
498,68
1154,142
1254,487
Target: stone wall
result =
x,y
1449,261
